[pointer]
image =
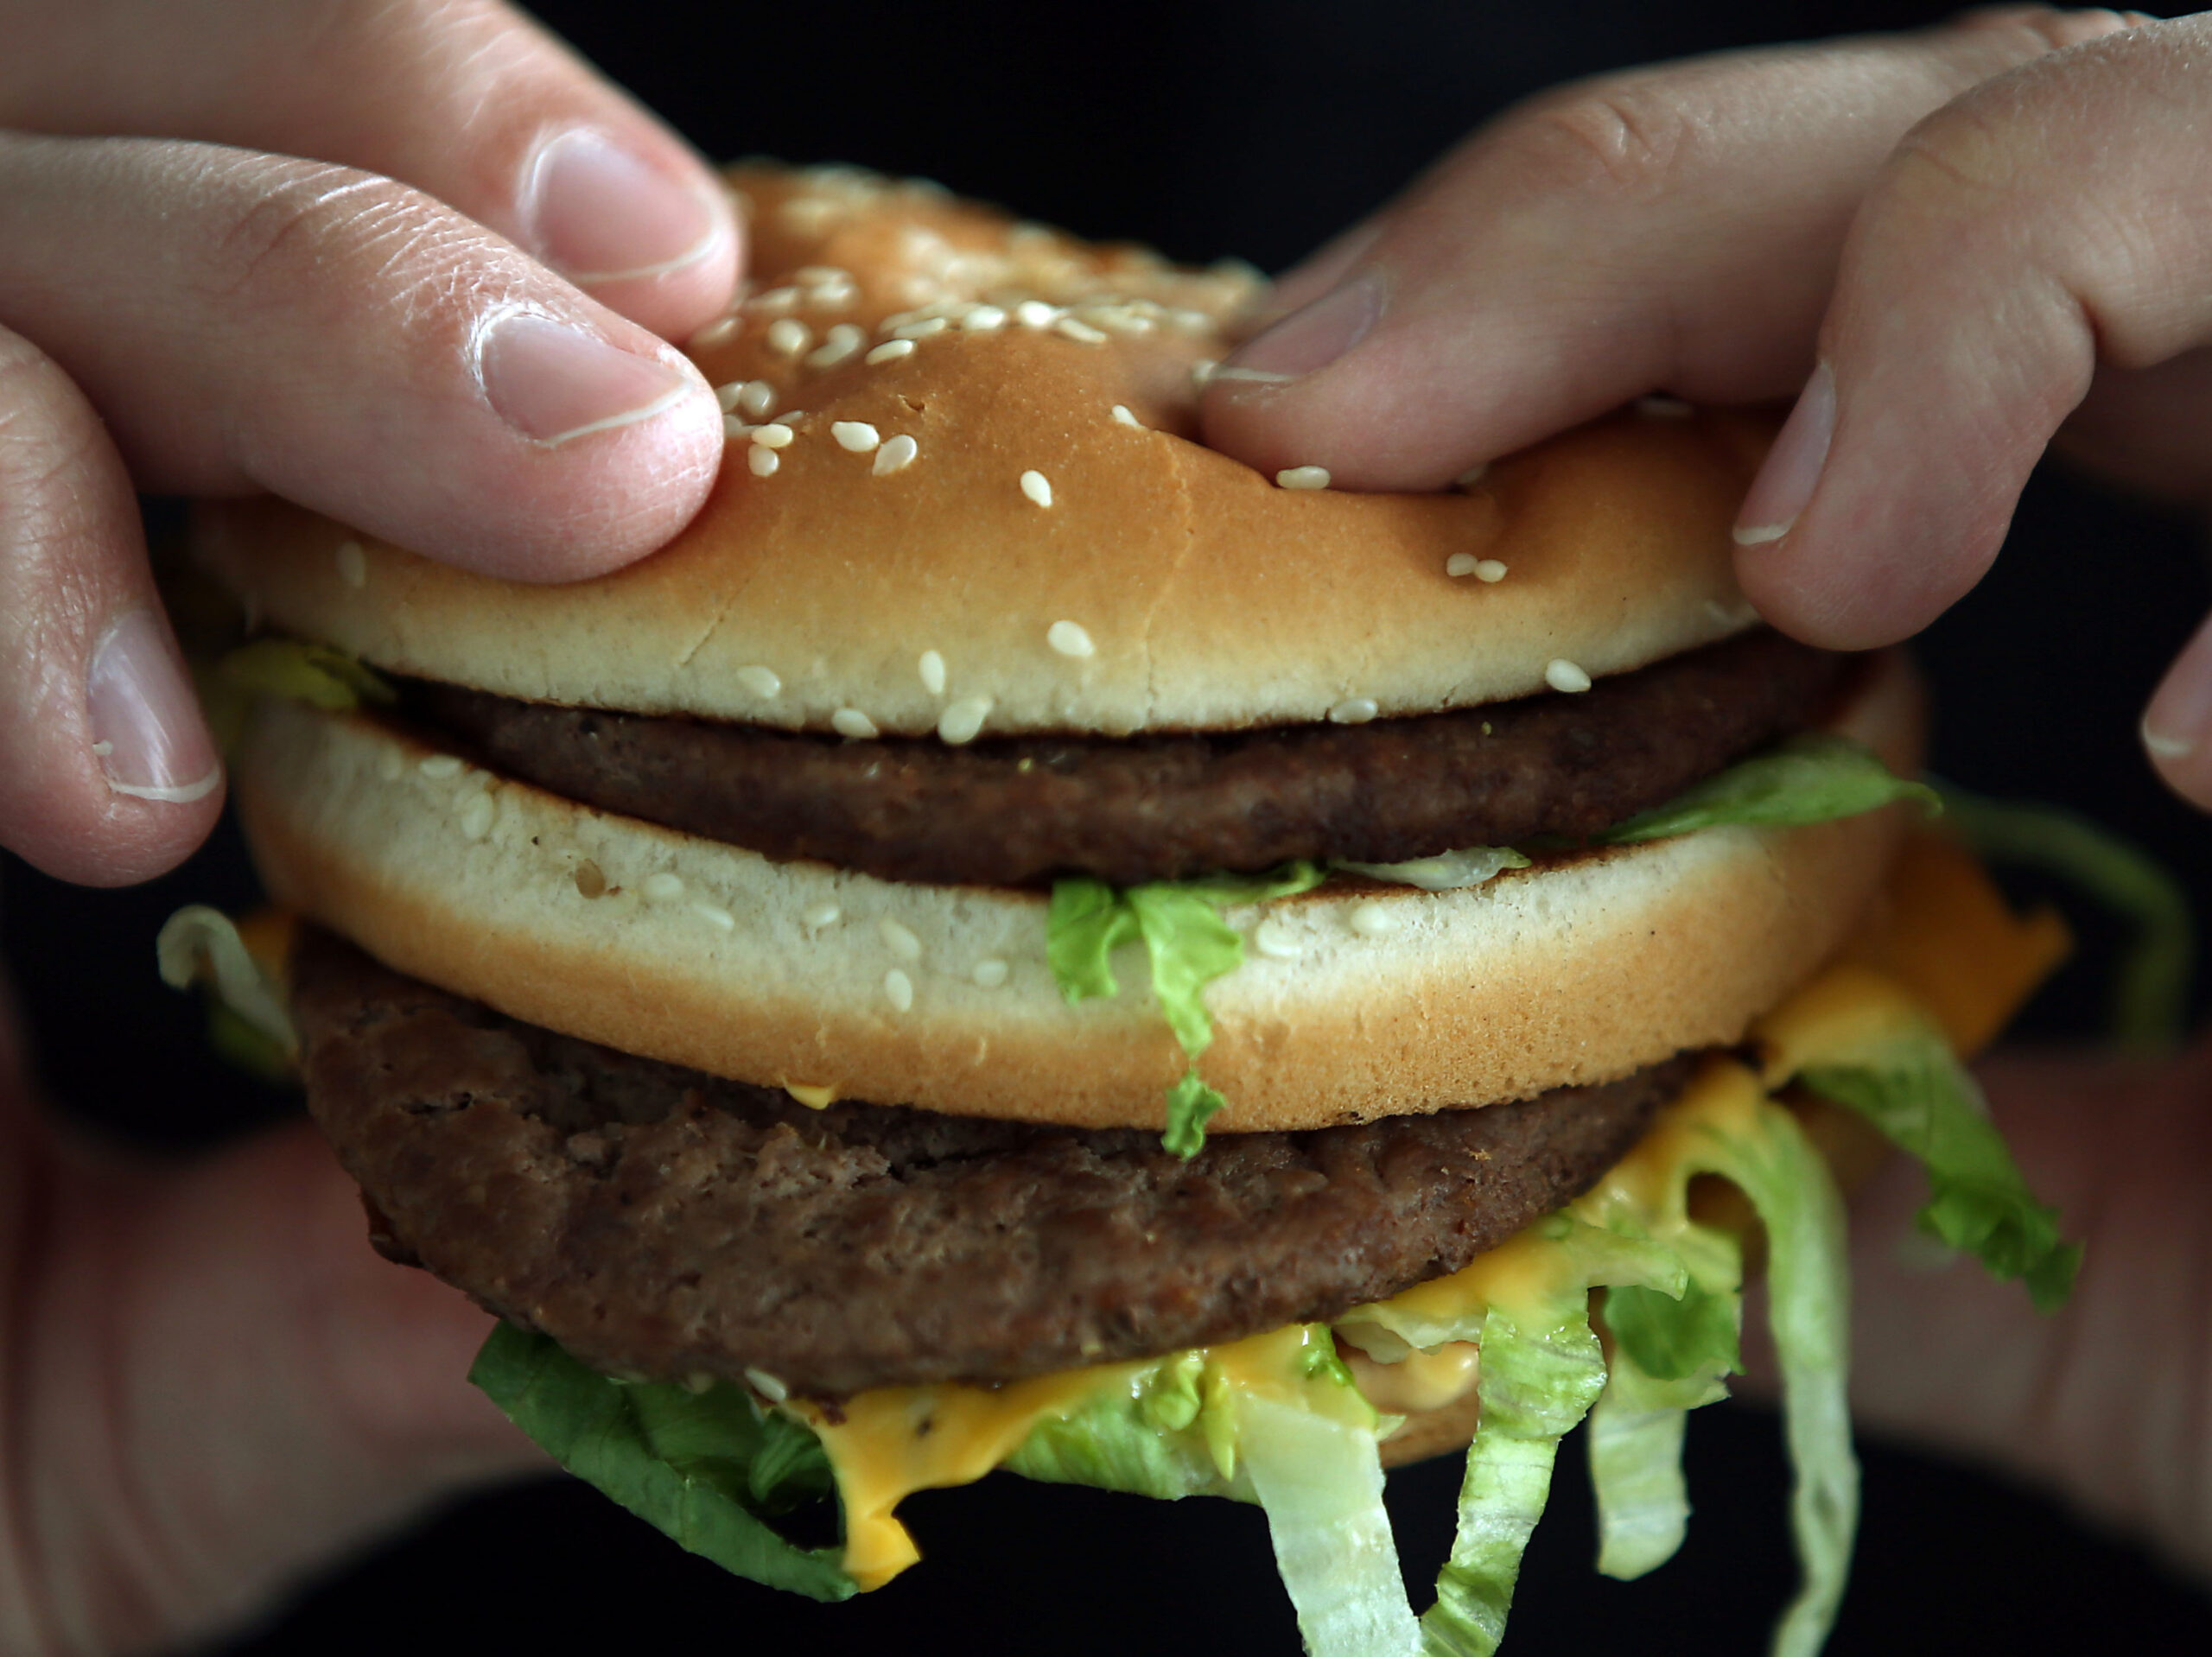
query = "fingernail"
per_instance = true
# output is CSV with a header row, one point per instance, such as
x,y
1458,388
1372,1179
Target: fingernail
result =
x,y
598,214
1793,465
1311,338
552,382
2178,721
146,726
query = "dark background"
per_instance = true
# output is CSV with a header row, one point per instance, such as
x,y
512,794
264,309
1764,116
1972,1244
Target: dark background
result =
x,y
1255,129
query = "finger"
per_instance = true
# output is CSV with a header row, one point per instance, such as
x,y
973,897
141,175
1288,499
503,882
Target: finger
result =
x,y
2028,232
107,773
465,100
245,322
217,1386
2104,1399
1675,228
2178,725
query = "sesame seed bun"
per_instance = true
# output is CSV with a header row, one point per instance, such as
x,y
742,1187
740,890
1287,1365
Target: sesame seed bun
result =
x,y
1374,1000
992,519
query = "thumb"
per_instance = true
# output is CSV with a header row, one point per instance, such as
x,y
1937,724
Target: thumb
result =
x,y
217,1386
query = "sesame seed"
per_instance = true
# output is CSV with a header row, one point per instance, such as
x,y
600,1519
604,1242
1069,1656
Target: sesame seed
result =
x,y
101,750
895,455
840,343
476,814
931,668
1070,328
889,351
776,302
990,971
921,330
1353,710
788,336
822,915
1461,563
715,333
899,940
1303,477
761,681
982,319
590,879
439,766
755,398
899,989
726,396
1489,570
715,915
352,563
1202,371
735,430
1122,416
1070,638
1473,474
1037,487
857,435
1272,937
663,887
850,721
767,1386
1372,920
1663,407
1036,313
962,721
1562,674
762,461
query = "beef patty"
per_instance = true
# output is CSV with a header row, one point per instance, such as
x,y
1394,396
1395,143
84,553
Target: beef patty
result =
x,y
1019,811
657,1221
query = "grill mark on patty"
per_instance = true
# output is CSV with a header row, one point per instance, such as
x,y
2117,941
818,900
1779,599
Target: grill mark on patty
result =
x,y
1019,811
657,1221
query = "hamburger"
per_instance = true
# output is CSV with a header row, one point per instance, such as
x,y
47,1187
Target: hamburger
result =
x,y
1018,941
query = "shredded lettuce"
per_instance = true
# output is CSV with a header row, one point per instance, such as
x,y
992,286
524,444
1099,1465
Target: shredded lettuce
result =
x,y
1812,778
1669,1357
1904,1079
707,1469
2149,992
1320,1480
1446,871
1808,1314
1536,1383
199,945
1189,945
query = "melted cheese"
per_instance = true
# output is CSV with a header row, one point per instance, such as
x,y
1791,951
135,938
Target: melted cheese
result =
x,y
1943,945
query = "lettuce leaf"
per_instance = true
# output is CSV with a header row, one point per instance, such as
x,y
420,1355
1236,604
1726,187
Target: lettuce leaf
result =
x,y
1536,1383
1668,1357
1144,1439
1811,778
314,674
1188,945
1908,1083
2150,994
1809,1302
1446,871
1318,1478
199,944
707,1469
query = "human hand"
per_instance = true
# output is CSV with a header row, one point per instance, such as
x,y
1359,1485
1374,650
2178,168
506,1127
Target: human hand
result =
x,y
1957,243
377,331
212,1383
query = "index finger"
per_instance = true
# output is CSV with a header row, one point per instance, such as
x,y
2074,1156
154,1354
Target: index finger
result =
x,y
1675,228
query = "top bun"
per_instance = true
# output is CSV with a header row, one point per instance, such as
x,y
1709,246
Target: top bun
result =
x,y
943,514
